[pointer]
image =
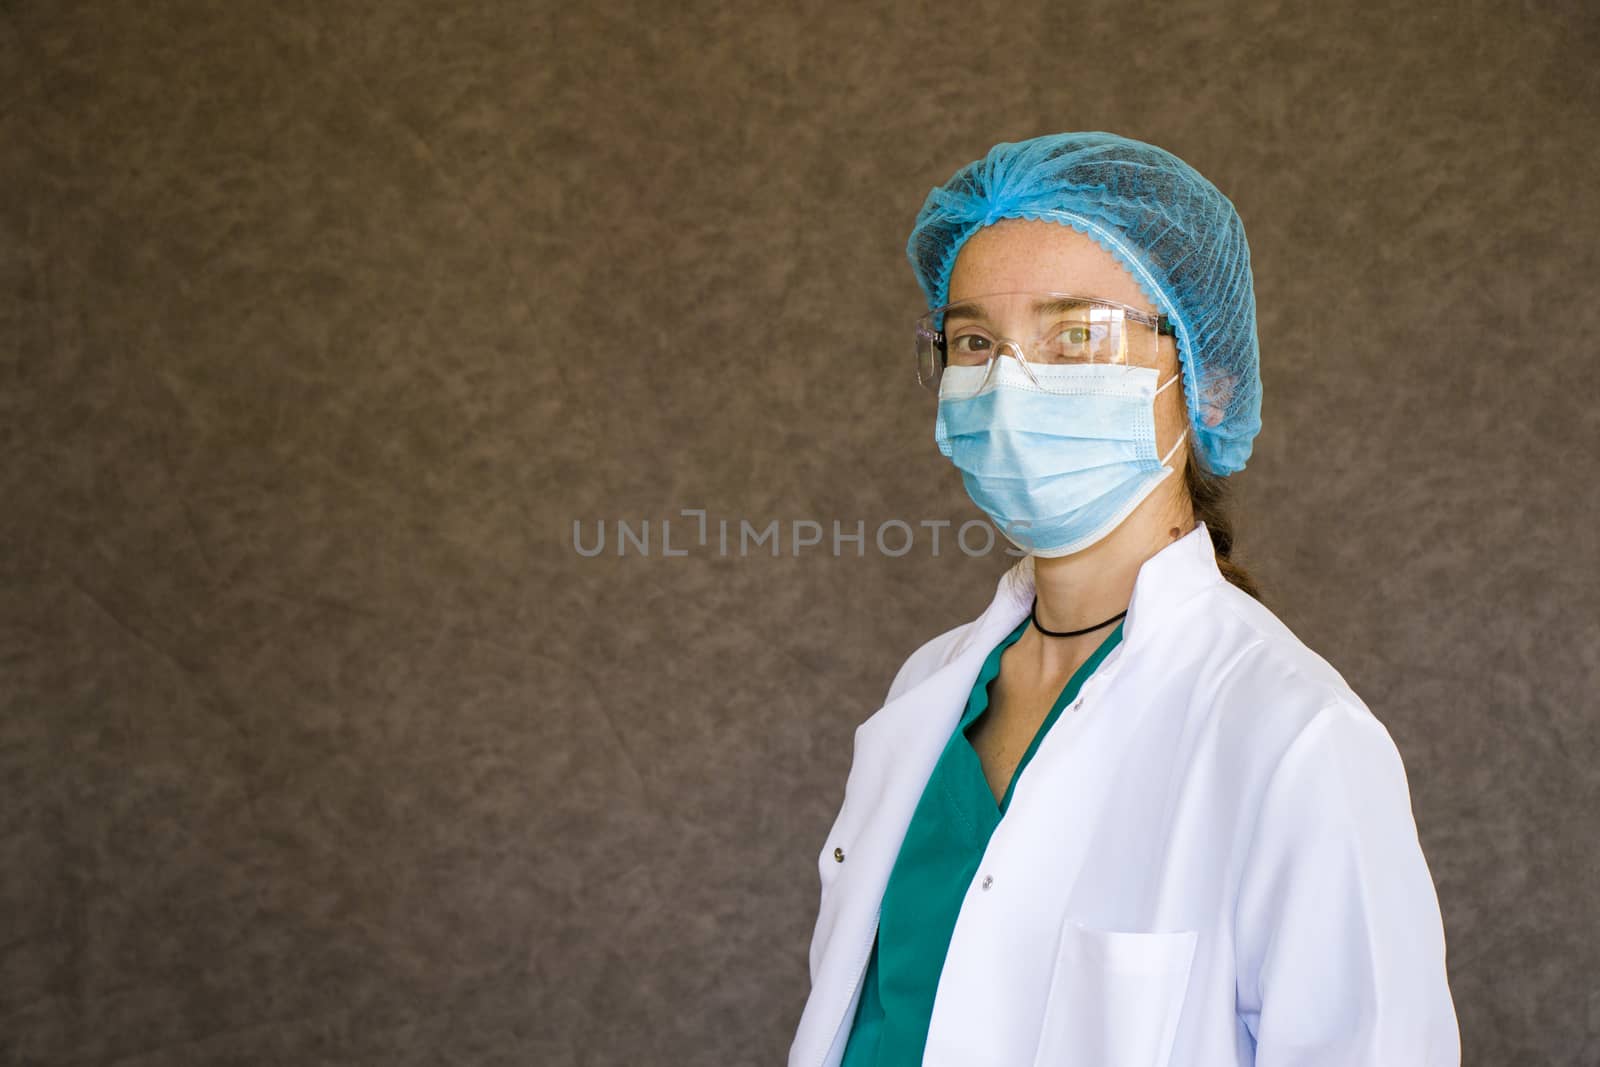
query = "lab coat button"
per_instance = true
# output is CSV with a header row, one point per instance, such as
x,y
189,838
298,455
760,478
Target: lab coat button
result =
x,y
838,854
988,880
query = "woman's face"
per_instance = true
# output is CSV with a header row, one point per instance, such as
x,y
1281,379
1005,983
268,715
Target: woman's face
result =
x,y
1036,255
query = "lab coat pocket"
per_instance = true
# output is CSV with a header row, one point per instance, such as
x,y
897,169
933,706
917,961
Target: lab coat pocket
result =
x,y
1115,997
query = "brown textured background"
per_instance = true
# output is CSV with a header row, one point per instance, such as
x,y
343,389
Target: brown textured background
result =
x,y
324,321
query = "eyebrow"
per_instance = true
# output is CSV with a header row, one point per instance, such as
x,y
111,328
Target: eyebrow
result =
x,y
971,309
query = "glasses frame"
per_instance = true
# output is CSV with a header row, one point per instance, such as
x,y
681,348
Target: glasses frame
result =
x,y
1161,322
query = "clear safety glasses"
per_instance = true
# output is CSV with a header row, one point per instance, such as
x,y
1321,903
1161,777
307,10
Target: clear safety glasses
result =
x,y
1036,328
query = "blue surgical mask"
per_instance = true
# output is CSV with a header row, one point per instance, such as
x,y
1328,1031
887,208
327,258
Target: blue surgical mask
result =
x,y
1057,458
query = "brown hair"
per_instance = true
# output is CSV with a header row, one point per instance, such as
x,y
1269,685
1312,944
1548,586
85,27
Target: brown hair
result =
x,y
1212,499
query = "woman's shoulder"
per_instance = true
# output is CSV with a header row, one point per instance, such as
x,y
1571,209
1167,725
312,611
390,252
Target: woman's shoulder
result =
x,y
1268,688
1266,646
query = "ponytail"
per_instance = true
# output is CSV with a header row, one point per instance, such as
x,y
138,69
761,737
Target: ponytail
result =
x,y
1212,499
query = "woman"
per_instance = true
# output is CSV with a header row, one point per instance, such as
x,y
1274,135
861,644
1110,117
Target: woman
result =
x,y
1124,818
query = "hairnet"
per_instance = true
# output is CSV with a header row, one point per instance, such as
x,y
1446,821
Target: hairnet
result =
x,y
1172,229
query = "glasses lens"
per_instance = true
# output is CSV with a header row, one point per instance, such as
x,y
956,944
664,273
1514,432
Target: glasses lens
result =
x,y
1044,328
1089,333
930,353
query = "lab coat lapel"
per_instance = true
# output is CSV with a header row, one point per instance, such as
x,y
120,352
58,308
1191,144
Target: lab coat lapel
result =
x,y
895,752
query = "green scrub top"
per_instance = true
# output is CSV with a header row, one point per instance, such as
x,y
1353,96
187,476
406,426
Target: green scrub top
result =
x,y
943,846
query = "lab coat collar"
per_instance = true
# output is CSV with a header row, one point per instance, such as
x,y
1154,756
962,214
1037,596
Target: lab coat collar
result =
x,y
1165,581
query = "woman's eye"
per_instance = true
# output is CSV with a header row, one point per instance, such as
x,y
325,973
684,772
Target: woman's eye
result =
x,y
969,346
1076,340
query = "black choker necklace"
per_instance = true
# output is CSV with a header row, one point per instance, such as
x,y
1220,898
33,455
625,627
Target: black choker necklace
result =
x,y
1033,613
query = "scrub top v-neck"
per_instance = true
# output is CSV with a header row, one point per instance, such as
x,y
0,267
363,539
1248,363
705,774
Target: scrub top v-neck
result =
x,y
943,846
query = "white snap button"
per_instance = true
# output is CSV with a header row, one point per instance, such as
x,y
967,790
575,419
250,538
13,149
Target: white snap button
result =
x,y
988,880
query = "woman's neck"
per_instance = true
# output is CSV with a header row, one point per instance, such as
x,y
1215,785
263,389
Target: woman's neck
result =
x,y
1093,586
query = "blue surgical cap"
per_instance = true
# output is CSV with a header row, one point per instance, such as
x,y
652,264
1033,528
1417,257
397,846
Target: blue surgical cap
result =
x,y
1172,229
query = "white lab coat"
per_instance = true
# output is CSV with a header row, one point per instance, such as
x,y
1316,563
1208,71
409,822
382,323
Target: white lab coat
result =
x,y
1211,860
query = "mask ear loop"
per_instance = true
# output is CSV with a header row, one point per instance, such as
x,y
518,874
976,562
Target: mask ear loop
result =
x,y
1185,432
1175,445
